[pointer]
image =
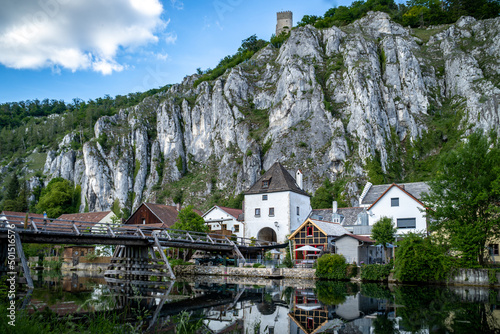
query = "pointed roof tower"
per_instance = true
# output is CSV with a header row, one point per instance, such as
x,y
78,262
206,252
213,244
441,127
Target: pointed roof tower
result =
x,y
275,179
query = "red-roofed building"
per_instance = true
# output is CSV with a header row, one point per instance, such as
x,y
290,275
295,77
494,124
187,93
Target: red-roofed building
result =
x,y
155,215
19,217
220,218
358,248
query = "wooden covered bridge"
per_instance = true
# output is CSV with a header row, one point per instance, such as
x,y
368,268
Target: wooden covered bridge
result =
x,y
139,253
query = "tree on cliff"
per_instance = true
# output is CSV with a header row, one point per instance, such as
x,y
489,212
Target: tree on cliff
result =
x,y
464,197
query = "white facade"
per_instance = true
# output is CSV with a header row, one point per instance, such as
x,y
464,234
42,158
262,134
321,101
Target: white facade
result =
x,y
217,217
283,212
407,213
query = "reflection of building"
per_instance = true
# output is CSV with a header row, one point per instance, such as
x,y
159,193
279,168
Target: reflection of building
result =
x,y
275,205
309,315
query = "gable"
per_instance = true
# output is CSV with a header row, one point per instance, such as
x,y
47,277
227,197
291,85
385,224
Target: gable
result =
x,y
395,191
276,179
415,189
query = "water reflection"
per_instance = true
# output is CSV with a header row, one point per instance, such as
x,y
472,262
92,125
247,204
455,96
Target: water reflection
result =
x,y
237,305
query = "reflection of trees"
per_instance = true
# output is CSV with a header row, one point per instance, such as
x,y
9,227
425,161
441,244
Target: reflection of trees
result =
x,y
376,290
439,308
383,325
334,293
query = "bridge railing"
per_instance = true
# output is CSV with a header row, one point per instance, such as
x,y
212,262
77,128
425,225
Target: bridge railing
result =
x,y
60,226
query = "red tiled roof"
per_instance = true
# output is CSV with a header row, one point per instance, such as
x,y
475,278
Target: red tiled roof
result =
x,y
37,217
233,212
89,217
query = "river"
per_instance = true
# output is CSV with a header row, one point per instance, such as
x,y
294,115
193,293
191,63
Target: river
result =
x,y
206,304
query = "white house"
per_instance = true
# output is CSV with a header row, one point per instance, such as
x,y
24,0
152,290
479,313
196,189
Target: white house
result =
x,y
401,202
222,218
275,205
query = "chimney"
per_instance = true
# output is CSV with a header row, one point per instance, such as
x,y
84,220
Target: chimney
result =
x,y
178,206
334,207
298,179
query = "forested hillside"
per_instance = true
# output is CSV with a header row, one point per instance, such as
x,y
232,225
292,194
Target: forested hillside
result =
x,y
344,100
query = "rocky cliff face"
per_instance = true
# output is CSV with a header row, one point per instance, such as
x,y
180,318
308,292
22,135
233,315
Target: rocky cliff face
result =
x,y
325,102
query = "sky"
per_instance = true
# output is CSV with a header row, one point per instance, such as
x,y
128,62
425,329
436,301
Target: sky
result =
x,y
65,49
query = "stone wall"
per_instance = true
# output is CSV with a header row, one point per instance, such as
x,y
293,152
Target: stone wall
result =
x,y
295,273
472,277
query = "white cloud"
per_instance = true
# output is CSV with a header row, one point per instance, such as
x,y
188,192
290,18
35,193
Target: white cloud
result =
x,y
177,4
76,34
162,56
170,38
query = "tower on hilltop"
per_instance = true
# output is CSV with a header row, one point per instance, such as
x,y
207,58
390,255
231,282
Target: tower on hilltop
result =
x,y
284,23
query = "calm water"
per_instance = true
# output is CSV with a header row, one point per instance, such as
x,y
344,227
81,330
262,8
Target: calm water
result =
x,y
235,305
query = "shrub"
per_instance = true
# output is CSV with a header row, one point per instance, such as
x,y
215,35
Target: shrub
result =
x,y
334,266
376,272
419,259
256,265
178,262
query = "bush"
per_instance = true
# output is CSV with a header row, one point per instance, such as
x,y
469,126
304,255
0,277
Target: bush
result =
x,y
334,266
178,262
376,272
256,265
420,259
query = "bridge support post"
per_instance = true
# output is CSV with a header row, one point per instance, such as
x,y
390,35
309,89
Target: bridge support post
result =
x,y
24,263
132,264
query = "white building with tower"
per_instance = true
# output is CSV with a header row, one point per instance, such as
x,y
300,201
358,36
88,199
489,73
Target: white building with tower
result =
x,y
276,205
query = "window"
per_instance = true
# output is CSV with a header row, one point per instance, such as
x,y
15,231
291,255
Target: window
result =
x,y
264,197
265,184
224,226
257,212
236,228
395,201
143,221
309,231
298,211
271,212
407,222
494,249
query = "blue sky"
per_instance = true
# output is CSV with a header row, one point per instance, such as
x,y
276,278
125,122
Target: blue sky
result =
x,y
65,49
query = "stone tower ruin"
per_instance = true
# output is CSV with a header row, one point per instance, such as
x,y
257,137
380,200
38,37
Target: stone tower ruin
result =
x,y
284,23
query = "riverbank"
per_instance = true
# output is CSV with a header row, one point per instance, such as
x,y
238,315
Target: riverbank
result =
x,y
461,277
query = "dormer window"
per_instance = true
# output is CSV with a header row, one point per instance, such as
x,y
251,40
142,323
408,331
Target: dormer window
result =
x,y
265,184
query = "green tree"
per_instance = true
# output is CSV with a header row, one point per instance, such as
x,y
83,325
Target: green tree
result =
x,y
188,220
383,232
464,197
421,259
324,195
16,197
59,197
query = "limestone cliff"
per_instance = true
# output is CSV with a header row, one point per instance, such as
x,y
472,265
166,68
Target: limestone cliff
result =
x,y
325,102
